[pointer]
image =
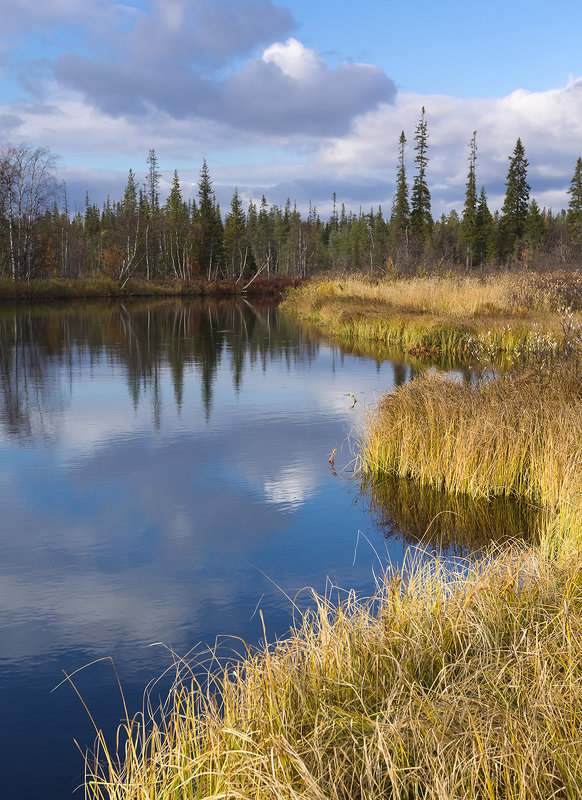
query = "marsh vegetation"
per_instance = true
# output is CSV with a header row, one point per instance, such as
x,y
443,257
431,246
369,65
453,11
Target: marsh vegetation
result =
x,y
489,318
447,684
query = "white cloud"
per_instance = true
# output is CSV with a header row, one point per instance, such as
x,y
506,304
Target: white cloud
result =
x,y
293,59
283,130
549,124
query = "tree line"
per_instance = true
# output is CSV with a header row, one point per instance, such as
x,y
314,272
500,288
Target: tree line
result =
x,y
187,239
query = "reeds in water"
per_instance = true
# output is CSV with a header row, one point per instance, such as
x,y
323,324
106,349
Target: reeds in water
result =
x,y
518,434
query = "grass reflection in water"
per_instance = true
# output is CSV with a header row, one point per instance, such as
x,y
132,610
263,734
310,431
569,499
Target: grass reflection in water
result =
x,y
453,523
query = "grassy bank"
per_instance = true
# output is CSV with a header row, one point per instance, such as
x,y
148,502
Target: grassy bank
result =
x,y
502,316
80,288
446,686
517,434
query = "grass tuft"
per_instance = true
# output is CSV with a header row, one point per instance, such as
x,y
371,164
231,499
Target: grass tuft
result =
x,y
517,434
448,684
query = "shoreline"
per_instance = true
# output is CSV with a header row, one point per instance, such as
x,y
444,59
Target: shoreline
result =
x,y
501,318
106,288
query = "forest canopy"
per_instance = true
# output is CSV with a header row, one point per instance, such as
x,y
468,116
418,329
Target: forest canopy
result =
x,y
192,238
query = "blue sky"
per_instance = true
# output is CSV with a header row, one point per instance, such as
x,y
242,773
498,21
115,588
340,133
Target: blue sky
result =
x,y
295,98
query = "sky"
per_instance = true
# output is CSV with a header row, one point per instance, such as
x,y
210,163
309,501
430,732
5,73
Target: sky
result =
x,y
295,98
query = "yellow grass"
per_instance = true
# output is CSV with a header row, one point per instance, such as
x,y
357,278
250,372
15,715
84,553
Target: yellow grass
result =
x,y
448,685
518,434
501,315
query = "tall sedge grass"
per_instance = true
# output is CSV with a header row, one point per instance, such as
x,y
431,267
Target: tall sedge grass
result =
x,y
517,434
458,297
507,294
447,685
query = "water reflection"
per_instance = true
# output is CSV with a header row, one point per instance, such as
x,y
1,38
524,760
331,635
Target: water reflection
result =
x,y
454,524
141,338
405,365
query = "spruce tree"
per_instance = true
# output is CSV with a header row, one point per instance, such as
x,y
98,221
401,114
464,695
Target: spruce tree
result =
x,y
515,205
176,239
209,226
152,213
575,204
235,240
400,216
129,200
334,218
484,231
262,238
129,231
176,209
153,181
534,232
420,217
468,231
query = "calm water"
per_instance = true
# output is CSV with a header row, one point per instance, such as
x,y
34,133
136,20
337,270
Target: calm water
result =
x,y
163,473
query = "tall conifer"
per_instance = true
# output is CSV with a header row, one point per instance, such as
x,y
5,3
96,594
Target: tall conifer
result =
x,y
209,225
420,217
152,213
235,239
515,205
484,231
468,232
400,216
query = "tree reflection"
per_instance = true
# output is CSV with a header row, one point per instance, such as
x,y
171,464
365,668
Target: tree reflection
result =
x,y
43,347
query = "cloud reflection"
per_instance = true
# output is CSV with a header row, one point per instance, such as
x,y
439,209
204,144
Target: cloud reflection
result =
x,y
120,533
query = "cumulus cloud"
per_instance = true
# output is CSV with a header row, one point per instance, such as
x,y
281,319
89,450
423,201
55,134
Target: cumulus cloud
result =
x,y
291,90
196,60
359,165
549,124
174,59
170,56
227,80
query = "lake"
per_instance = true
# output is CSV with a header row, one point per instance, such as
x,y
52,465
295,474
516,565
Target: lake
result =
x,y
163,476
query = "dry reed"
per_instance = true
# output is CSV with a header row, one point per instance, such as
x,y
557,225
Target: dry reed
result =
x,y
517,434
449,684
